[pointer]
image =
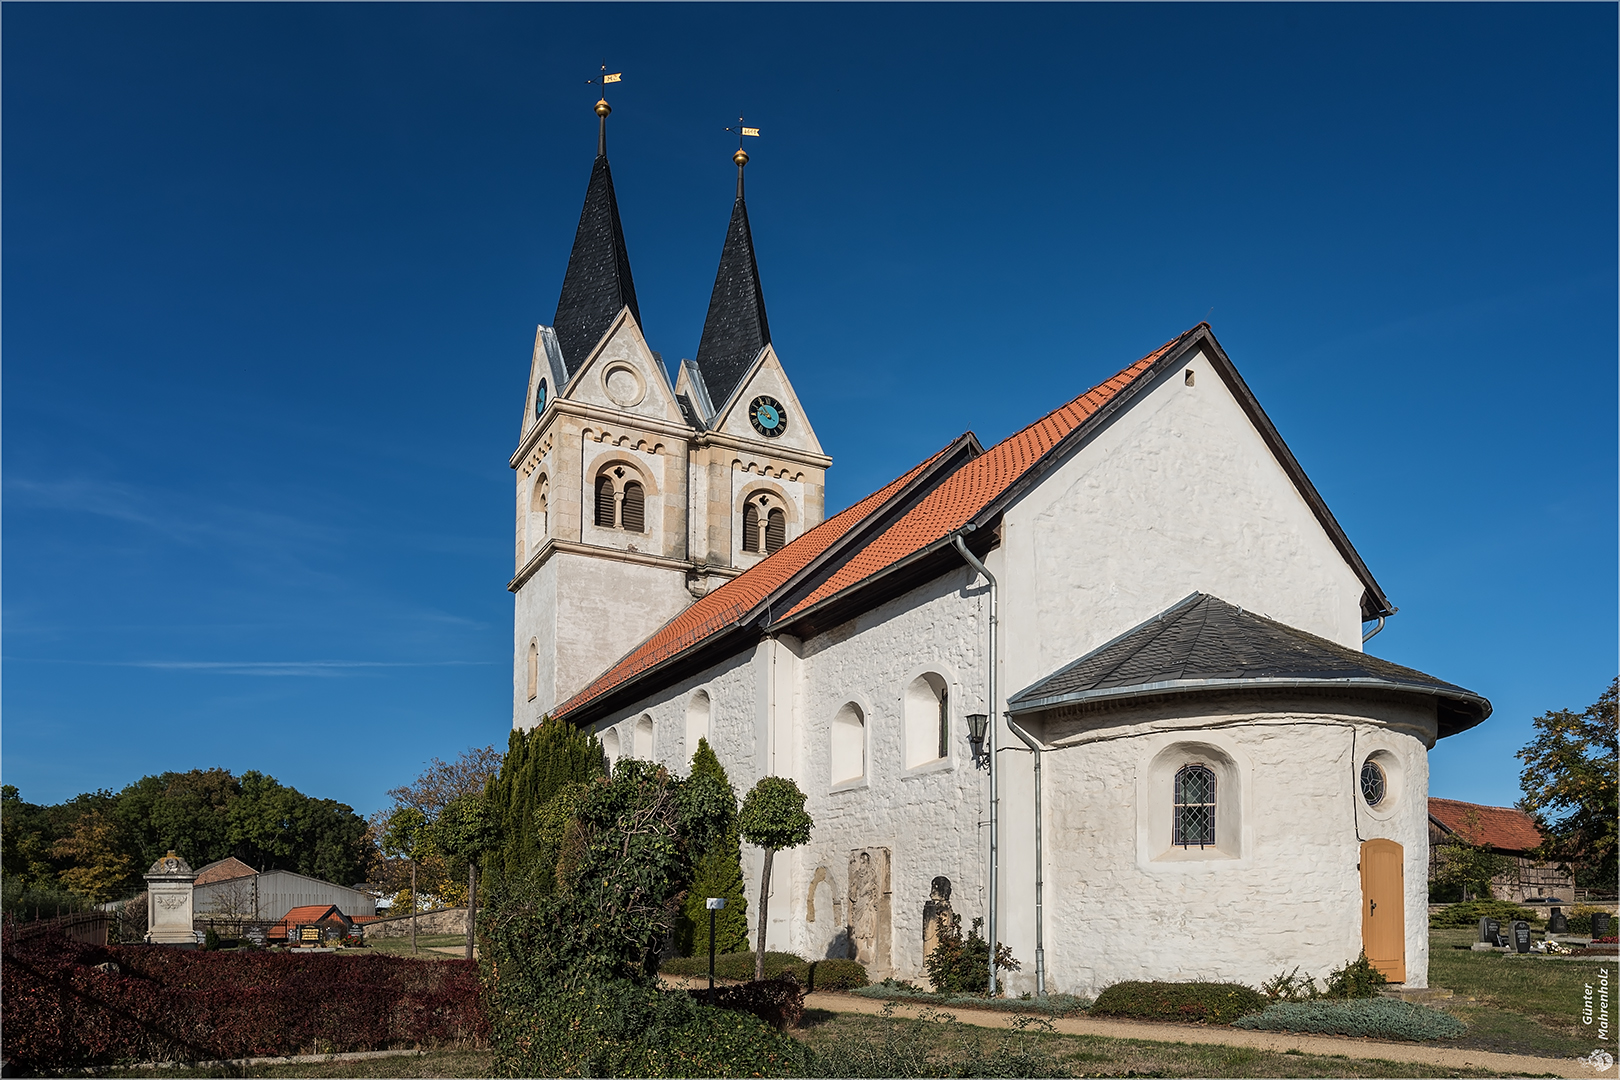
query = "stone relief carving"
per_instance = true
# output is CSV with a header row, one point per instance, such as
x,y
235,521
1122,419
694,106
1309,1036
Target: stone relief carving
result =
x,y
936,914
870,920
171,902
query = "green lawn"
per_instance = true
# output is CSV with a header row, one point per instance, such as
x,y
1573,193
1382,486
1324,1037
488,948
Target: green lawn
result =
x,y
1519,1005
425,943
433,1063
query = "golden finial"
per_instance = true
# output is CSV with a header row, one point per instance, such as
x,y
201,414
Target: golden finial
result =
x,y
741,156
602,107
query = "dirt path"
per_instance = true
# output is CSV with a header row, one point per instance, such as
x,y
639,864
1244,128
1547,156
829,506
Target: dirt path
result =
x,y
1500,1064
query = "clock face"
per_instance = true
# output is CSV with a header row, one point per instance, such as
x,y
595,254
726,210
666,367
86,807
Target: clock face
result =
x,y
767,416
540,398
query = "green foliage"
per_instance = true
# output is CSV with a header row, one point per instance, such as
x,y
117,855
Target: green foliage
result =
x,y
963,967
466,827
1290,986
538,764
718,873
1467,869
98,869
1050,1005
812,974
211,940
937,1044
1570,786
585,1027
773,815
406,834
1378,1018
1357,979
1219,1003
1468,915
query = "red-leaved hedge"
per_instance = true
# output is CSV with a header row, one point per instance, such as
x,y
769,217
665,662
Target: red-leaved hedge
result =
x,y
68,1004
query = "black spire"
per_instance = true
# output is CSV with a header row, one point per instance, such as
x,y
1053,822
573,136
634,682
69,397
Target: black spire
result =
x,y
735,330
597,284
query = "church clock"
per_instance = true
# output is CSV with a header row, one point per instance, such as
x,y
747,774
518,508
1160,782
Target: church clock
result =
x,y
767,416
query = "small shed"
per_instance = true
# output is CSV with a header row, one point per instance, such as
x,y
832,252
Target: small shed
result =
x,y
317,924
1506,831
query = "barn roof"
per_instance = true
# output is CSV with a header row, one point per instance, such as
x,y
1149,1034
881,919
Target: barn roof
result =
x,y
1205,644
1499,827
227,869
304,916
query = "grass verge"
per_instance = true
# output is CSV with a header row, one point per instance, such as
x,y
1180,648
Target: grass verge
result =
x,y
1524,1005
1051,1005
453,1063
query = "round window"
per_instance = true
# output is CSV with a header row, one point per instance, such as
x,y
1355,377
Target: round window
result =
x,y
1373,784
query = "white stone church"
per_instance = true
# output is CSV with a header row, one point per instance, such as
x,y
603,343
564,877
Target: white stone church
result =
x,y
1193,770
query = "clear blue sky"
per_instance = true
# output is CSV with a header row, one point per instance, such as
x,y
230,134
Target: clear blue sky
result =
x,y
271,276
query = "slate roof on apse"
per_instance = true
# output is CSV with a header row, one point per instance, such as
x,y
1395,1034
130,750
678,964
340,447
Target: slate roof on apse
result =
x,y
975,485
1500,827
1204,638
729,603
735,329
597,283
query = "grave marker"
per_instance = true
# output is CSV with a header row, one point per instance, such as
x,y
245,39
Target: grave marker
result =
x,y
1521,936
1600,924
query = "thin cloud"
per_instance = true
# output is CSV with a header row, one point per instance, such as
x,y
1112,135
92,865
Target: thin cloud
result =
x,y
327,669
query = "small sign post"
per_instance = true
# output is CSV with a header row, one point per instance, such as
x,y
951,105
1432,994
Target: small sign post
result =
x,y
714,904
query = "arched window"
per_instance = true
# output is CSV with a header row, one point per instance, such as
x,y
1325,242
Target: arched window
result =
x,y
775,531
751,526
534,670
537,511
1194,812
644,738
928,720
697,721
610,747
848,745
604,503
633,515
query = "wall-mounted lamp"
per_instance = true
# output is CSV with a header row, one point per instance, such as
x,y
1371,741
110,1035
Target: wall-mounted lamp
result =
x,y
978,724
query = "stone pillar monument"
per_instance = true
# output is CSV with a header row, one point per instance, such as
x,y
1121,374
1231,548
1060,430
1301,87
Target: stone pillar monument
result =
x,y
937,915
169,886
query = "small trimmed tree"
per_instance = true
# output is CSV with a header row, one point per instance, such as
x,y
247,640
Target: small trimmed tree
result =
x,y
466,829
772,817
406,836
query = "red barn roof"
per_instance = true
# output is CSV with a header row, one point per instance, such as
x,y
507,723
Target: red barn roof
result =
x,y
227,869
1499,827
305,916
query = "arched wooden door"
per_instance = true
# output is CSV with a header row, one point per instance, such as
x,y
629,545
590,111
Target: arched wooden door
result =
x,y
1383,907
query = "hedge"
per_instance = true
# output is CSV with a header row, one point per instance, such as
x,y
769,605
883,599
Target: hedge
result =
x,y
1469,914
1220,1003
1382,1018
813,975
68,1004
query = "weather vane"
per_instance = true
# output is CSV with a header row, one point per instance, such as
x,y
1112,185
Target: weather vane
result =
x,y
741,131
602,107
604,78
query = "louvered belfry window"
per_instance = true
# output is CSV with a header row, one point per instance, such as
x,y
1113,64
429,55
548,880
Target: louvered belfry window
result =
x,y
750,527
604,502
1195,806
633,515
775,531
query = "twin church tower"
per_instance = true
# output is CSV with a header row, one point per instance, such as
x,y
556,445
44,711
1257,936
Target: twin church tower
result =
x,y
635,497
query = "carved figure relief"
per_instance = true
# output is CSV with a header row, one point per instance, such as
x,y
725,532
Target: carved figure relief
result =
x,y
936,914
869,908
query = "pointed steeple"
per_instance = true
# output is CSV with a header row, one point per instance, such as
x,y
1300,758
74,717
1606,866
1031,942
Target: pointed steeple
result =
x,y
735,330
597,284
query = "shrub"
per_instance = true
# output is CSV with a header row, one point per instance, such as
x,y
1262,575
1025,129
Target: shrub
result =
x,y
1383,1018
936,1044
813,975
1468,915
779,1002
580,1026
211,940
1196,1002
1357,979
717,873
1290,986
1580,918
962,967
69,1004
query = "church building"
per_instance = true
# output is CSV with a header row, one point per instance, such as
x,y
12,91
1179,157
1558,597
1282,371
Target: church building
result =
x,y
1101,684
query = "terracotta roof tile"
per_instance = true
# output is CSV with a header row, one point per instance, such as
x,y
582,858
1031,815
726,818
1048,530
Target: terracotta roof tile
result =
x,y
1500,827
975,485
723,607
312,913
227,869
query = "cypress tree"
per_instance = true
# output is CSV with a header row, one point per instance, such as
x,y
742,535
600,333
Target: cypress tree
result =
x,y
538,763
717,873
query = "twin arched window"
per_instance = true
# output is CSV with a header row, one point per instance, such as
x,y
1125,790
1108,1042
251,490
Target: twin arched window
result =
x,y
1194,811
764,525
620,507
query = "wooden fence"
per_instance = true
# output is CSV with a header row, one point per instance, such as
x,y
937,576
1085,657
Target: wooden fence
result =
x,y
90,927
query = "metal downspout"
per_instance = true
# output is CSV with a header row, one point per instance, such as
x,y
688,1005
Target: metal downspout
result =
x,y
990,749
1040,913
1370,634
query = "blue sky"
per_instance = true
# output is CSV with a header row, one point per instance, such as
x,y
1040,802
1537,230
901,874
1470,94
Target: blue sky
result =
x,y
271,276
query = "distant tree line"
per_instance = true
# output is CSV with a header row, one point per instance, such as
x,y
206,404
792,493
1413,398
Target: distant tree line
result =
x,y
98,845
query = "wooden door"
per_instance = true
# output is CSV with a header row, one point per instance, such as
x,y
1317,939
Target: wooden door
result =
x,y
1383,908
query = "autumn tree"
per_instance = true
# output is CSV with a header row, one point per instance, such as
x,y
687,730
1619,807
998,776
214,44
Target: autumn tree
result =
x,y
1570,787
772,817
98,869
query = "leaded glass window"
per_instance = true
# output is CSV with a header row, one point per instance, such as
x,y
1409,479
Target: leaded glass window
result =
x,y
1195,806
1373,784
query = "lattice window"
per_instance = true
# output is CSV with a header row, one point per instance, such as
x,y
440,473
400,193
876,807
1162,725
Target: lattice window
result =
x,y
775,531
1195,806
633,515
1374,786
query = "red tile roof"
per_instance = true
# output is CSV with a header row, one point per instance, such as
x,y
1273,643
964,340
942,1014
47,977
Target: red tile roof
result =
x,y
227,869
1500,827
723,607
974,486
304,916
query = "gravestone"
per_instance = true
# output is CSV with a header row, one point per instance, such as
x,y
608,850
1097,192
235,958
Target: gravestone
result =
x,y
1600,924
936,914
1485,931
169,886
1557,922
256,935
1521,936
1493,932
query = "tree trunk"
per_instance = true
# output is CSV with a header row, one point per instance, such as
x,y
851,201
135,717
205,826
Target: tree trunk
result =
x,y
472,903
764,914
413,905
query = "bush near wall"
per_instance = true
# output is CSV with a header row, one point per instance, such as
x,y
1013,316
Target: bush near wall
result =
x,y
72,1005
1219,1003
1379,1018
813,975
